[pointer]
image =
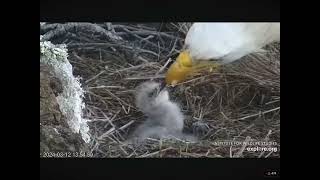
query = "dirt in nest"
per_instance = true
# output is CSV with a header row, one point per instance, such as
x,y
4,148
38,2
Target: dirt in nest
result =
x,y
55,134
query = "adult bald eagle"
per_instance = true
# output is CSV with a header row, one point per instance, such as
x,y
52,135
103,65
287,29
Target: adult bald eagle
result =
x,y
220,43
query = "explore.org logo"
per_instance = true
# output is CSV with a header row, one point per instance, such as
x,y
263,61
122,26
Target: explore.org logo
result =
x,y
268,149
253,146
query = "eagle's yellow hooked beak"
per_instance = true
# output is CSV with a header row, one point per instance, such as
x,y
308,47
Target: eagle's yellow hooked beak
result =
x,y
184,67
180,69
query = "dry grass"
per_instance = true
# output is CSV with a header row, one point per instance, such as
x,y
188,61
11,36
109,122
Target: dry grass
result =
x,y
241,102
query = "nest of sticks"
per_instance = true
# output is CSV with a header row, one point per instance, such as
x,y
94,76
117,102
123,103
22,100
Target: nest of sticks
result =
x,y
239,103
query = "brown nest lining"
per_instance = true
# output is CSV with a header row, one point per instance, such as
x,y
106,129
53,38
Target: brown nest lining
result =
x,y
241,102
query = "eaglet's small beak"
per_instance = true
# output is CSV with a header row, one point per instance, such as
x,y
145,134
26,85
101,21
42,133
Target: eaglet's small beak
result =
x,y
184,68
